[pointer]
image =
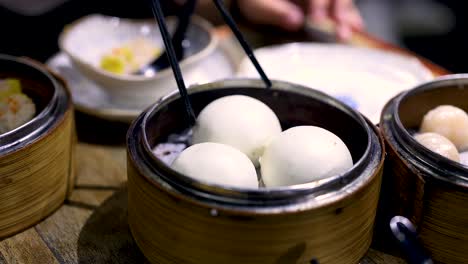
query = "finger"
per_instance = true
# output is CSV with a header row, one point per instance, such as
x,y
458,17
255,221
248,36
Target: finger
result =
x,y
347,18
346,12
280,13
355,19
343,32
341,9
319,10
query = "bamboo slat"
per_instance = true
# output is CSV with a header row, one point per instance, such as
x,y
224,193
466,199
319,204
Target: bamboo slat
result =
x,y
440,211
169,229
444,225
34,180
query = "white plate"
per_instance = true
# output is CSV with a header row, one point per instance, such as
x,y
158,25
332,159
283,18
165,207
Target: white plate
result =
x,y
92,99
364,78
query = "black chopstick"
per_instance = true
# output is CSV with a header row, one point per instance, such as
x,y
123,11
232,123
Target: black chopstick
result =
x,y
158,13
248,50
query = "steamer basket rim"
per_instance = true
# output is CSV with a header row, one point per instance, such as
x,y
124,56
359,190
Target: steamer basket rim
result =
x,y
298,190
53,112
410,145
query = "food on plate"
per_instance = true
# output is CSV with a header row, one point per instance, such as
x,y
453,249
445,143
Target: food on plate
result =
x,y
304,154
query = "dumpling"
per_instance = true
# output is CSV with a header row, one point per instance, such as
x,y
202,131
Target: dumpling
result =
x,y
15,110
439,144
450,122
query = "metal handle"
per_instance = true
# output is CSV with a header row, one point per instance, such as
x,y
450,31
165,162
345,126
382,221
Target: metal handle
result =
x,y
405,233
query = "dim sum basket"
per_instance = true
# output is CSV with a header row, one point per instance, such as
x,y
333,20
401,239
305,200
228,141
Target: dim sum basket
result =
x,y
429,189
36,159
176,219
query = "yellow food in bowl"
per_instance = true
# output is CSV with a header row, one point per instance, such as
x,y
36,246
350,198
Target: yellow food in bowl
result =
x,y
113,64
129,57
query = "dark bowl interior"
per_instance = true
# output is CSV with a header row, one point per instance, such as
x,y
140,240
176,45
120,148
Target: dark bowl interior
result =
x,y
34,83
198,37
292,109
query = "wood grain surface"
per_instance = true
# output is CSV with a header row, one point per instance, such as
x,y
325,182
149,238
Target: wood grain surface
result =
x,y
34,180
338,233
91,227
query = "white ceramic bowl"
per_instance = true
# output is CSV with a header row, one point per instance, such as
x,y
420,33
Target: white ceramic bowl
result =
x,y
86,40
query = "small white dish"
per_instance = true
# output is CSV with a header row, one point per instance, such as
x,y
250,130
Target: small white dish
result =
x,y
364,78
86,40
93,99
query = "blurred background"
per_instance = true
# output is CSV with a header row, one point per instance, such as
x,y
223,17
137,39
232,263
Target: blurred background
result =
x,y
434,29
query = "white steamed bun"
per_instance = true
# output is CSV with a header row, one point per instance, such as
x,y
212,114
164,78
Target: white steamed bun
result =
x,y
303,154
217,164
240,121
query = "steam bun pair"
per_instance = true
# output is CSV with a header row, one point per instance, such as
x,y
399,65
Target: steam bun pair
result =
x,y
235,134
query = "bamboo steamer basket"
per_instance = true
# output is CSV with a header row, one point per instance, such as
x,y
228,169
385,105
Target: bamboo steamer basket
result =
x,y
175,219
427,188
36,164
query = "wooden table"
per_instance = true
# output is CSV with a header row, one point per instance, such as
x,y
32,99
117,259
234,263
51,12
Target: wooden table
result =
x,y
91,227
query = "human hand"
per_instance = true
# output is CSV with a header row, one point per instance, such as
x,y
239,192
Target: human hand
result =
x,y
292,14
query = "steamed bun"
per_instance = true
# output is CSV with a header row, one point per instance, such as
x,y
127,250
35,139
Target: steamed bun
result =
x,y
303,154
240,121
217,164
